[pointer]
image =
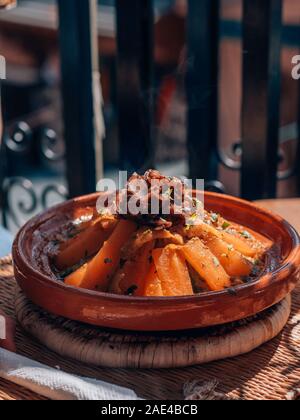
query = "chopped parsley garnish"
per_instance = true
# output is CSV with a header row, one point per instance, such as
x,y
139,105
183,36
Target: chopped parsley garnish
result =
x,y
214,217
108,261
225,225
194,216
245,234
192,220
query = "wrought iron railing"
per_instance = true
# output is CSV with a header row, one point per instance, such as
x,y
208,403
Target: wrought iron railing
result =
x,y
257,155
27,200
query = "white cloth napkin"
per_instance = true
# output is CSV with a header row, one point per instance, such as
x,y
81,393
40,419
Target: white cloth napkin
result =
x,y
55,384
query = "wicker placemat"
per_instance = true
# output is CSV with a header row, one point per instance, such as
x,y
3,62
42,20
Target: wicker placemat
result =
x,y
130,350
267,373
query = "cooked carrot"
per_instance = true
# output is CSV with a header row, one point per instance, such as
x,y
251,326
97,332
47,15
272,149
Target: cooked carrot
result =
x,y
75,278
199,285
206,265
231,260
239,244
203,230
153,286
131,278
146,235
84,245
172,272
102,267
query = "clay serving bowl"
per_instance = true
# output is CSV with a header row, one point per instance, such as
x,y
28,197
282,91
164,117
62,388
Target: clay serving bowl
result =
x,y
34,275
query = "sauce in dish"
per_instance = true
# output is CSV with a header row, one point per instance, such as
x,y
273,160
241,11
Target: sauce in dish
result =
x,y
159,255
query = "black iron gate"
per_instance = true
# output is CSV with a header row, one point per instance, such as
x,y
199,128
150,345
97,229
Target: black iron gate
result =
x,y
259,146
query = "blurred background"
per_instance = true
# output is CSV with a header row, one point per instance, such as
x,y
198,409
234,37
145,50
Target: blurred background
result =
x,y
32,95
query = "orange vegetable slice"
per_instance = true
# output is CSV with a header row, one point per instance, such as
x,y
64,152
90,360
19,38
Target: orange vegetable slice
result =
x,y
153,287
101,268
231,260
75,278
206,265
146,235
132,277
85,244
172,272
205,231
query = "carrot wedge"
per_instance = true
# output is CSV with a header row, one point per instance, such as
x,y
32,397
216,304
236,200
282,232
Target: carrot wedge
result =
x,y
146,235
153,286
101,268
84,245
206,265
131,278
239,244
172,272
205,231
75,278
231,260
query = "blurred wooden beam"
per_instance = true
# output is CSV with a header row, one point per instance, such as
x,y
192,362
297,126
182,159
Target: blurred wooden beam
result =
x,y
135,63
202,87
261,97
79,66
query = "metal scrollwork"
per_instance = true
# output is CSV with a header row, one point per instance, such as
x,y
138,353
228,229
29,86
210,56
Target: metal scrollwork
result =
x,y
288,173
215,186
231,159
25,204
58,190
19,198
20,140
28,201
49,145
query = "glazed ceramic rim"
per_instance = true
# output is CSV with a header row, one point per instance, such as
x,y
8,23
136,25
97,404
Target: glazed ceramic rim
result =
x,y
286,267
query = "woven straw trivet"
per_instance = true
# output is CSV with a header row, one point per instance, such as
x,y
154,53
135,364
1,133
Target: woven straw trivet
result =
x,y
269,372
114,349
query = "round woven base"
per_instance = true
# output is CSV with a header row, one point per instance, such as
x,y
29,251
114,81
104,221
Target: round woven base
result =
x,y
118,349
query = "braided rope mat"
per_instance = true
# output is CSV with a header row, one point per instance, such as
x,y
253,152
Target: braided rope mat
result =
x,y
269,372
128,350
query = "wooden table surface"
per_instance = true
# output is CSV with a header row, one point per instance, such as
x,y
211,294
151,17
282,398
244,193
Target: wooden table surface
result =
x,y
288,208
